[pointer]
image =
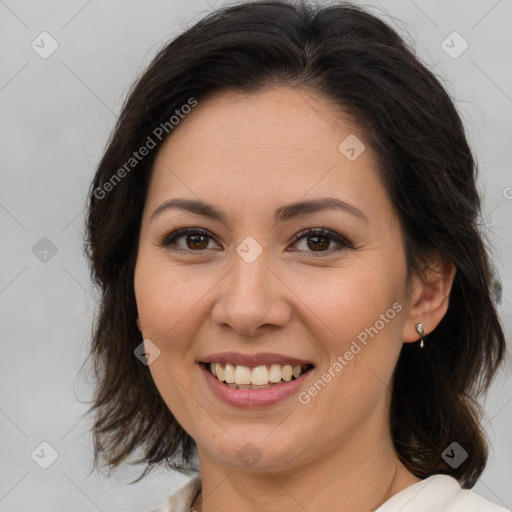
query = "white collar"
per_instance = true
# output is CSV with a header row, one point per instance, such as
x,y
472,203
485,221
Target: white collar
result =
x,y
437,493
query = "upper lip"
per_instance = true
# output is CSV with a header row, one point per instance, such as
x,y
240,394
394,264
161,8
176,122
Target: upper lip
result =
x,y
262,358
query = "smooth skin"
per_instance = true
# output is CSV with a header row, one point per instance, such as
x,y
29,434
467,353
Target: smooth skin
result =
x,y
249,155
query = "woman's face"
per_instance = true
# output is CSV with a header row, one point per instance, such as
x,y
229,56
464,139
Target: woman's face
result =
x,y
241,290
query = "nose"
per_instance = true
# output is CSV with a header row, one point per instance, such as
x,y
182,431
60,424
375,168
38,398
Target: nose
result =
x,y
251,298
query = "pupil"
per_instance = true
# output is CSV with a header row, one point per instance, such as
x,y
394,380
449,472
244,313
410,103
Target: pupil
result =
x,y
319,246
195,243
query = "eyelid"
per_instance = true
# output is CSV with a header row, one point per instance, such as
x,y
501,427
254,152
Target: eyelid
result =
x,y
322,231
191,230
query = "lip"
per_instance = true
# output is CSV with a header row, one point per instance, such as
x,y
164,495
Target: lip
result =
x,y
251,360
253,398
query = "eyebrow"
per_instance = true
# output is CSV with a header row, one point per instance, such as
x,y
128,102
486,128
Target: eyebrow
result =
x,y
283,213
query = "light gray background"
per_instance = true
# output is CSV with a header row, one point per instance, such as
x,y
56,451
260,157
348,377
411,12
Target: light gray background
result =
x,y
56,115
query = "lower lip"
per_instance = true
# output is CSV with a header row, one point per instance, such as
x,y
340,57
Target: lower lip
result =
x,y
250,398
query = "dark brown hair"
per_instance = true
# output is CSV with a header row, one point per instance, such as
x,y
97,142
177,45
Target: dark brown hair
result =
x,y
360,64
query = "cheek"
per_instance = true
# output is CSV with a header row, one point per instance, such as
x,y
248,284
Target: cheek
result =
x,y
363,307
352,299
167,301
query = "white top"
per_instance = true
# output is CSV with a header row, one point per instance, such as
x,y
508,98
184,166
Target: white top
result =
x,y
438,493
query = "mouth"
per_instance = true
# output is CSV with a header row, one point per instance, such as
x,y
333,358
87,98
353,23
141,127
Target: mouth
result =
x,y
238,376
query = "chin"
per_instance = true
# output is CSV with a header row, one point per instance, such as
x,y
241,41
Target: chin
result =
x,y
254,450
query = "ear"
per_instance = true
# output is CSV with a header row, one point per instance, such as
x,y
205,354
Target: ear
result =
x,y
429,296
139,326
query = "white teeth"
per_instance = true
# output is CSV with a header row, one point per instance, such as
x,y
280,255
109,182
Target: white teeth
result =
x,y
286,372
229,373
275,373
259,375
219,371
242,375
263,375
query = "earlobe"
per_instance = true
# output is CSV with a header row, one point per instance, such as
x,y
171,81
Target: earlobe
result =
x,y
139,324
429,298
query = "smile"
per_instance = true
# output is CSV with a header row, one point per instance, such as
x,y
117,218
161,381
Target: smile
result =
x,y
258,377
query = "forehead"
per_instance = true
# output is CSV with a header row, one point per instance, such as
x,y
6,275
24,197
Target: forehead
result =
x,y
280,143
269,120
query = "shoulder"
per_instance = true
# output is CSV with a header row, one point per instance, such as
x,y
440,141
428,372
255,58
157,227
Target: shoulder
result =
x,y
182,499
467,500
441,493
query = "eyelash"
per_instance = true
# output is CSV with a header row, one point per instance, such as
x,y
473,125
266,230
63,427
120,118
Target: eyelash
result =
x,y
171,238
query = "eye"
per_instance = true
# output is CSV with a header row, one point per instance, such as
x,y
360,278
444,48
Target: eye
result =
x,y
195,239
318,239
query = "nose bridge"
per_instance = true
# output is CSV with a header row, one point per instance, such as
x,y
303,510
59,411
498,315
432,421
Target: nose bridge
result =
x,y
249,296
249,279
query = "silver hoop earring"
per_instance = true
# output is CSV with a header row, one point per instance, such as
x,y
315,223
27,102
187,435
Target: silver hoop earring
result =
x,y
421,331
